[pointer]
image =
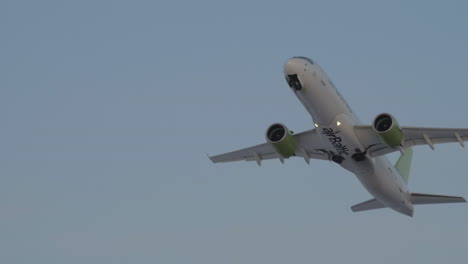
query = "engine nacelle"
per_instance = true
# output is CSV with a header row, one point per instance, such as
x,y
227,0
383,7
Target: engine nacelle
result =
x,y
282,140
388,130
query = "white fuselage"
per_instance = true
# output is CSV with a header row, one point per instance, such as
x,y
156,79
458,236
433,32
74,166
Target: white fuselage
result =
x,y
335,121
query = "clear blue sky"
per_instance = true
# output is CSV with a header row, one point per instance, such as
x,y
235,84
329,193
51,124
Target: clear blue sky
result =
x,y
109,107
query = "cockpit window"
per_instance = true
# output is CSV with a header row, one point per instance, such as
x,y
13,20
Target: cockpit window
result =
x,y
305,58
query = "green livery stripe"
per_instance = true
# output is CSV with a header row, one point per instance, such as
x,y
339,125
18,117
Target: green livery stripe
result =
x,y
287,146
392,136
403,164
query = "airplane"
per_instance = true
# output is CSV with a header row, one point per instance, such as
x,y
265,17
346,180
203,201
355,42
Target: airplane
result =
x,y
340,137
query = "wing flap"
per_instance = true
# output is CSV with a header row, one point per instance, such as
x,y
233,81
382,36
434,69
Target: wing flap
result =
x,y
264,151
416,135
308,145
412,136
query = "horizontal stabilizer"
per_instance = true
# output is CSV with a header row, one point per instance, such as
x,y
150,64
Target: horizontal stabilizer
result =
x,y
421,198
367,205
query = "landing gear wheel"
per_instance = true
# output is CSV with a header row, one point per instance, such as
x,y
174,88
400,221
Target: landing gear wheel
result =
x,y
338,159
359,156
293,82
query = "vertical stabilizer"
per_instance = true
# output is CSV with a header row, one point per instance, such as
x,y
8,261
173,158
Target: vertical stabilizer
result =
x,y
403,164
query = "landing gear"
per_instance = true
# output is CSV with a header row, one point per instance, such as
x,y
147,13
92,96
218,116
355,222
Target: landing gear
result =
x,y
293,82
337,159
359,156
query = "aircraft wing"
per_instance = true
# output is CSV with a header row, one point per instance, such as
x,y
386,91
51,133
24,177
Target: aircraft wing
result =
x,y
412,136
308,146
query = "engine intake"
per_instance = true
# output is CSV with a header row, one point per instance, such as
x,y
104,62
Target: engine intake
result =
x,y
388,129
279,136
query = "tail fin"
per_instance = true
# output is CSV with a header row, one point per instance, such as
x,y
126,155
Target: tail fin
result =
x,y
421,198
403,164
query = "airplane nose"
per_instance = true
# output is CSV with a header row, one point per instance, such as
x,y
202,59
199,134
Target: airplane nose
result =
x,y
295,64
291,65
294,68
291,70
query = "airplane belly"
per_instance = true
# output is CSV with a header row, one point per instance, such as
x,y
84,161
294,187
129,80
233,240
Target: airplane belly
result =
x,y
379,179
339,139
377,175
320,100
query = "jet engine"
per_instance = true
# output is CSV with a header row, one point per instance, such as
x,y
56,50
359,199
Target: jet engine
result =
x,y
388,130
282,140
